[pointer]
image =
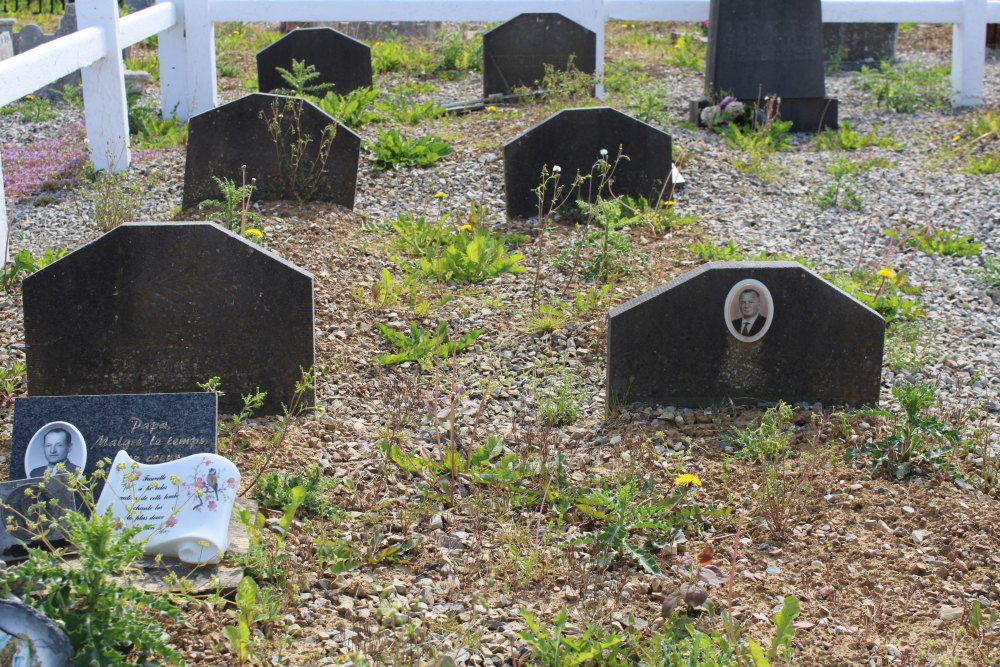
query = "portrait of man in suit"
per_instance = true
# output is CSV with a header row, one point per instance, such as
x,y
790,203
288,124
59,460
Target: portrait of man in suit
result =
x,y
57,448
751,321
748,310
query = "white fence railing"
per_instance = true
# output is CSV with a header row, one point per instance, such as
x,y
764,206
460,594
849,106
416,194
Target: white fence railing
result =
x,y
187,46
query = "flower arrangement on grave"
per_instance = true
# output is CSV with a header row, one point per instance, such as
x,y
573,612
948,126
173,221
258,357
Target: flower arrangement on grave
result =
x,y
729,110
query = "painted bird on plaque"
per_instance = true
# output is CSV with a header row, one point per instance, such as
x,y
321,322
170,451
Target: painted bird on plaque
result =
x,y
182,506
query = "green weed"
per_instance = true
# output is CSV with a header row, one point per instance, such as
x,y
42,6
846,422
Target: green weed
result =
x,y
847,139
24,263
948,242
989,275
908,87
915,437
391,151
470,257
422,346
276,490
355,110
688,52
555,647
407,111
233,211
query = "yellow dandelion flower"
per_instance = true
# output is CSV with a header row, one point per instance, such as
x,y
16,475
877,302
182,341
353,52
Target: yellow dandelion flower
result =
x,y
466,228
29,98
670,202
491,108
439,195
887,273
687,479
956,137
253,233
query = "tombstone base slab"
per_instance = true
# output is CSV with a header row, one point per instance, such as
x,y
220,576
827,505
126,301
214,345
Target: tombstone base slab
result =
x,y
807,114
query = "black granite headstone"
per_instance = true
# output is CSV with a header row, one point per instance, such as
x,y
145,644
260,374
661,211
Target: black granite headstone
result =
x,y
515,54
28,637
573,140
25,500
761,48
223,139
152,428
852,46
159,307
691,343
340,60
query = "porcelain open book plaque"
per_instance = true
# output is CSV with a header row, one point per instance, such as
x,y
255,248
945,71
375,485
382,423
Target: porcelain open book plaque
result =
x,y
183,506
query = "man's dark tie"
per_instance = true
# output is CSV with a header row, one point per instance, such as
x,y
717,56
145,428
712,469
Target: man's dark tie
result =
x,y
746,328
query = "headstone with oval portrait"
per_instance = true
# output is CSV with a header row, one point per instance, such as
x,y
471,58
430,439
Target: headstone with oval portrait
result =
x,y
746,332
28,637
73,433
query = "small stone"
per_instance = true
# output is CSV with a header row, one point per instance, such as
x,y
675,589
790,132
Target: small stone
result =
x,y
773,570
436,522
908,510
920,535
949,613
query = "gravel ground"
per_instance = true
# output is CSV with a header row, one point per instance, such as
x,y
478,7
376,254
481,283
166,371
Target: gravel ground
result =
x,y
880,567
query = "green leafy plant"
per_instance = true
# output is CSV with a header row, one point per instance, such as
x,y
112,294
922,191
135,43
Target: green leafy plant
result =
x,y
884,291
381,294
155,132
561,88
32,109
627,512
108,623
233,211
25,263
254,605
116,200
393,55
842,191
938,241
688,52
915,437
458,53
989,275
847,139
391,151
908,87
710,252
277,490
423,346
405,110
11,381
416,236
471,257
649,104
355,109
299,80
560,398
301,160
554,647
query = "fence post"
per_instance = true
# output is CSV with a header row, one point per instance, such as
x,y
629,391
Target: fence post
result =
x,y
968,54
593,14
104,89
174,96
200,48
4,226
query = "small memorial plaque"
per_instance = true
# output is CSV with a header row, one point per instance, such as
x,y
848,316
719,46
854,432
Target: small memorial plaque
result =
x,y
27,500
339,60
183,506
79,431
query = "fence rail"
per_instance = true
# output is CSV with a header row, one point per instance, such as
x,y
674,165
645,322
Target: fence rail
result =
x,y
187,46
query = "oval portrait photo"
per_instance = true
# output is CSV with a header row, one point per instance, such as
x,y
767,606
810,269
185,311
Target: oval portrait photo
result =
x,y
749,310
52,444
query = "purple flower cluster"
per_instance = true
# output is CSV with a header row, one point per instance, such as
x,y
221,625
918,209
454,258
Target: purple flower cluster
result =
x,y
44,165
